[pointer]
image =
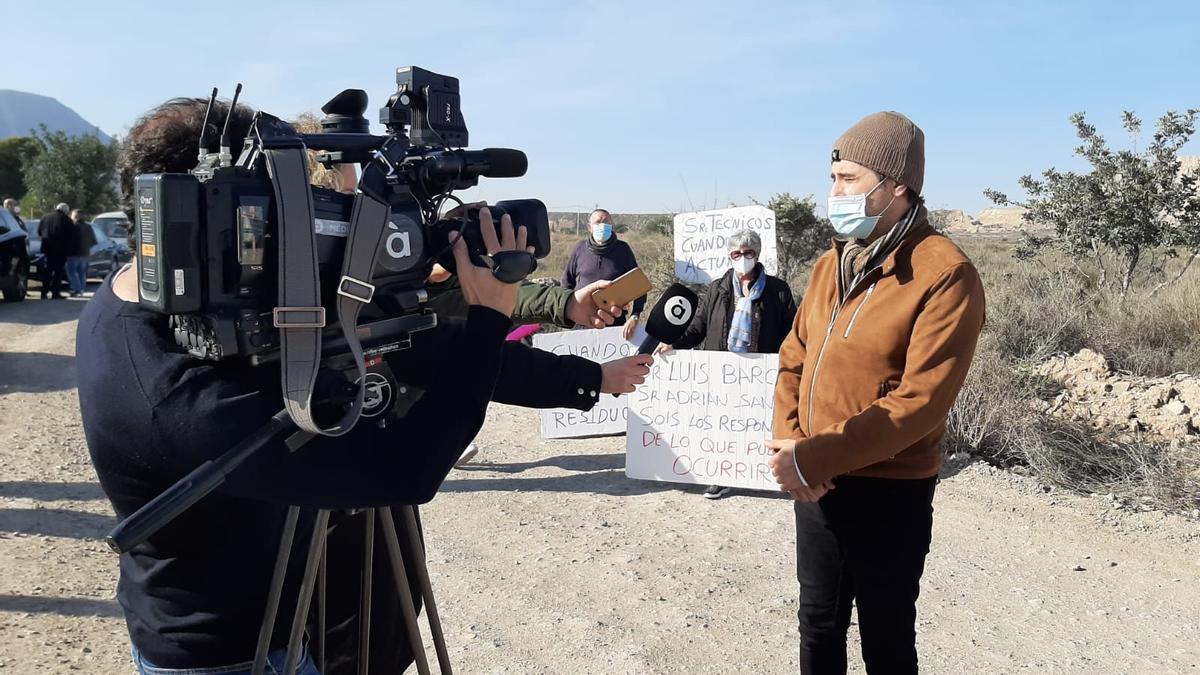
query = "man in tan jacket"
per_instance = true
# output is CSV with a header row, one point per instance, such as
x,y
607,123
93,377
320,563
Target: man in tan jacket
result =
x,y
879,349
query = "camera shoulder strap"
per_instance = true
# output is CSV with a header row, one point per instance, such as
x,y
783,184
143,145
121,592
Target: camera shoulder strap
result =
x,y
368,224
300,317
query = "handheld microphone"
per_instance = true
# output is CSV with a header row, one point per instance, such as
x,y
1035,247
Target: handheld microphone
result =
x,y
670,317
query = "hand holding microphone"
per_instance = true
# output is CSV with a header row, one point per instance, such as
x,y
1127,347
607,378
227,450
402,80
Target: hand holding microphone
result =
x,y
669,318
622,376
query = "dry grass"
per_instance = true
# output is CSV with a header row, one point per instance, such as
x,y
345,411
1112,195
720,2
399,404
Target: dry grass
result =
x,y
1044,307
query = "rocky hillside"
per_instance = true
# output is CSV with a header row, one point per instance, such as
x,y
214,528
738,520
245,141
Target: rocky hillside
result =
x,y
996,220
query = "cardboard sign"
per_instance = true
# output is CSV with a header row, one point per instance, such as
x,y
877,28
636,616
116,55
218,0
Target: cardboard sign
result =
x,y
704,418
702,241
608,417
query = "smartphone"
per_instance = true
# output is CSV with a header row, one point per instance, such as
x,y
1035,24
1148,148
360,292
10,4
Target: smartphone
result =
x,y
623,290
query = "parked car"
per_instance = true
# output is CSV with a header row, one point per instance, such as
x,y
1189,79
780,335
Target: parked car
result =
x,y
14,258
107,255
114,224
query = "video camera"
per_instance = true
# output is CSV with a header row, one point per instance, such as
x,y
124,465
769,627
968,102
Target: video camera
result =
x,y
210,241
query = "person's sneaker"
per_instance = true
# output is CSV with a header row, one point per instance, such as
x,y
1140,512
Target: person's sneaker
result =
x,y
717,491
467,455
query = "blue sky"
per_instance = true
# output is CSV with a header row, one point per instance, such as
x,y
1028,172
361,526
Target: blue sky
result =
x,y
644,107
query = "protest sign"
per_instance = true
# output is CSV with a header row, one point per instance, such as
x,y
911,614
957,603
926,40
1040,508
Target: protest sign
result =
x,y
704,418
702,241
609,415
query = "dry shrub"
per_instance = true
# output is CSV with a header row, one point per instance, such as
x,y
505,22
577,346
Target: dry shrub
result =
x,y
1051,305
1076,457
1036,310
997,418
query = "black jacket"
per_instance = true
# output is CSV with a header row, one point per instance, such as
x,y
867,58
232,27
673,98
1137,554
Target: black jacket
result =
x,y
85,239
773,315
59,238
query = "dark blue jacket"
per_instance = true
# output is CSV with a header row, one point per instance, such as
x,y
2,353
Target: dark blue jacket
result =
x,y
590,262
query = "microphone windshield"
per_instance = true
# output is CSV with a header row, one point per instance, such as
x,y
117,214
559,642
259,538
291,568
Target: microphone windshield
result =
x,y
672,314
504,163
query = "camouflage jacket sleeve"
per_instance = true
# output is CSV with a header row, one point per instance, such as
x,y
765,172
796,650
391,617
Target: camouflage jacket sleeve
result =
x,y
536,303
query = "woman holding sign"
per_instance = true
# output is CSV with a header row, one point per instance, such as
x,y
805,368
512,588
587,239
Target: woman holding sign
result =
x,y
745,310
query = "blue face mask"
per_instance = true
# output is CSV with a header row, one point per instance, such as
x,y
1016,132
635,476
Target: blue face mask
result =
x,y
848,215
601,231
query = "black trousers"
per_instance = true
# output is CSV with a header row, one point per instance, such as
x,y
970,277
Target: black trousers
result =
x,y
54,274
864,542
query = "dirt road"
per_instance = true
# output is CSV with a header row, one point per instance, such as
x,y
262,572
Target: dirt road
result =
x,y
546,559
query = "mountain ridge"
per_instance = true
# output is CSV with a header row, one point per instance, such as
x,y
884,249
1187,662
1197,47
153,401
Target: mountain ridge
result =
x,y
21,112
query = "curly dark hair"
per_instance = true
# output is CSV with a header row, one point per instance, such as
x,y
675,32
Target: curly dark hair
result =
x,y
166,139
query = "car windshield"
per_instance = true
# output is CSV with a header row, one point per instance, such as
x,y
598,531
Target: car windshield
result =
x,y
7,221
108,222
101,237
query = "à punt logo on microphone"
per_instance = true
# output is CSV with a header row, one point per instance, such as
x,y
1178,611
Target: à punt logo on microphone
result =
x,y
678,310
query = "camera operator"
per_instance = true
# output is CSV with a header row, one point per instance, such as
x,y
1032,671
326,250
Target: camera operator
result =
x,y
193,595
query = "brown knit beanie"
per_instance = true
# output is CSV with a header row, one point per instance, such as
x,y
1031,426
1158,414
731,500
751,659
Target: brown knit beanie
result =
x,y
887,143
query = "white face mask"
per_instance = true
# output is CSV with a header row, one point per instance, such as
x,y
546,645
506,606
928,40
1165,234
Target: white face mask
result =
x,y
17,210
743,265
848,215
601,231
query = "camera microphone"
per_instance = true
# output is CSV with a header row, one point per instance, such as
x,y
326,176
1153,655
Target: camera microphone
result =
x,y
669,318
489,162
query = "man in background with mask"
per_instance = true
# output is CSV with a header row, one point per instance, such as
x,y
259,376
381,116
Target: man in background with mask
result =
x,y
14,208
602,256
879,349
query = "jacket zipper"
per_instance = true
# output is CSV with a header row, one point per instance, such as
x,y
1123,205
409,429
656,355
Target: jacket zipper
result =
x,y
857,310
812,386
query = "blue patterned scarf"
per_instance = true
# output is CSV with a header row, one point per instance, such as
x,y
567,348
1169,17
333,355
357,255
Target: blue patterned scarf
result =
x,y
739,330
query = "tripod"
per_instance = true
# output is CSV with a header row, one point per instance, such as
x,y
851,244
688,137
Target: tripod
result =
x,y
208,476
314,576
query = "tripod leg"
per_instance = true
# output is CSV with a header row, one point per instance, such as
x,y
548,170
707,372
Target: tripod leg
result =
x,y
364,606
315,547
417,550
277,578
322,589
406,602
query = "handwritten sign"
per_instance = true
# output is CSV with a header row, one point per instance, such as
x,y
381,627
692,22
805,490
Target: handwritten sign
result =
x,y
608,417
703,418
702,241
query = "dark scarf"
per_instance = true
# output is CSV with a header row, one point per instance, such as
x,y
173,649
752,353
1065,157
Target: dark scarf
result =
x,y
859,258
601,249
